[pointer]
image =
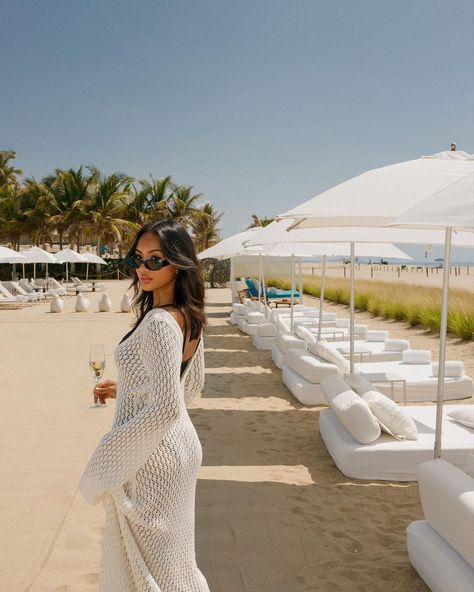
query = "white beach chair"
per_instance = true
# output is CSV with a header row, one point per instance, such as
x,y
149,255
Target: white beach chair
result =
x,y
441,547
14,289
386,457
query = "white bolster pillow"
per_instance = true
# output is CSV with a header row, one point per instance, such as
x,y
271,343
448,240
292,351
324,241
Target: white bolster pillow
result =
x,y
376,335
352,411
266,330
255,317
416,356
452,369
396,345
447,499
360,329
239,309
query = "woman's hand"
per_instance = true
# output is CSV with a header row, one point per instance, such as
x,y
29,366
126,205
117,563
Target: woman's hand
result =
x,y
107,389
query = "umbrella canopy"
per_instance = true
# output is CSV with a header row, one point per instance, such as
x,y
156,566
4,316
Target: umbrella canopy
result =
x,y
10,256
284,231
451,207
91,258
229,247
70,256
378,196
38,255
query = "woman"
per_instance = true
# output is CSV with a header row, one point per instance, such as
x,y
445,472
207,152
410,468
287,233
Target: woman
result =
x,y
145,469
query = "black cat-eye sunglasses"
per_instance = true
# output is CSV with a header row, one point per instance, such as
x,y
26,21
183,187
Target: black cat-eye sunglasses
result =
x,y
153,264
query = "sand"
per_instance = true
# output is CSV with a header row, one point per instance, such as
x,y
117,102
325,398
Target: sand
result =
x,y
272,510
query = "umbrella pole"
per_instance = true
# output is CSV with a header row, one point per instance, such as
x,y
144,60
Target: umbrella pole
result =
x,y
34,271
293,282
321,297
87,272
23,270
259,276
264,288
300,278
442,341
47,272
232,282
351,330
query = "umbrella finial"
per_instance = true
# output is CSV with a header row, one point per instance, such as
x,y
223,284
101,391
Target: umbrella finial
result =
x,y
453,146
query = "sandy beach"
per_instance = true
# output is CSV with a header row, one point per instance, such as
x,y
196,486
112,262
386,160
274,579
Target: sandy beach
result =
x,y
272,510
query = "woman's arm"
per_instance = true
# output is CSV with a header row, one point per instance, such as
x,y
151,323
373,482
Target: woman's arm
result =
x,y
126,448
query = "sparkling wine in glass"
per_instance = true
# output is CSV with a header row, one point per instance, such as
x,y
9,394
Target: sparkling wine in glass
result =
x,y
97,365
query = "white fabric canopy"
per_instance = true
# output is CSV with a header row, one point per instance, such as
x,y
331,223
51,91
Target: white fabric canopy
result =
x,y
282,249
10,256
278,232
453,206
378,196
38,255
70,256
92,258
229,247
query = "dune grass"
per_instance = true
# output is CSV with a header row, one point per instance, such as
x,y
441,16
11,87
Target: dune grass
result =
x,y
416,305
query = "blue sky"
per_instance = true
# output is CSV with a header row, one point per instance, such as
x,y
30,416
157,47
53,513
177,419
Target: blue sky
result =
x,y
259,104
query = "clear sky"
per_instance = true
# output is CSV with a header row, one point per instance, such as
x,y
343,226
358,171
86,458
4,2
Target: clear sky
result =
x,y
259,104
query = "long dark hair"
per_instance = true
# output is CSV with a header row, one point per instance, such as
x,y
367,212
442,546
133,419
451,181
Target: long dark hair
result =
x,y
177,248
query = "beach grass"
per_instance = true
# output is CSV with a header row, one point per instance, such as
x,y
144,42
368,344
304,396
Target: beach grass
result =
x,y
416,305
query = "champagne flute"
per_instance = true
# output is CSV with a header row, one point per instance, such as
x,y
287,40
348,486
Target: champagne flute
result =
x,y
97,366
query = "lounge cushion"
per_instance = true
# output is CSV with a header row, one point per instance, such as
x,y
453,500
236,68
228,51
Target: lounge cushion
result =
x,y
396,344
238,309
352,411
452,369
255,317
376,335
308,366
322,349
447,498
286,341
416,356
266,330
464,416
359,383
305,334
393,419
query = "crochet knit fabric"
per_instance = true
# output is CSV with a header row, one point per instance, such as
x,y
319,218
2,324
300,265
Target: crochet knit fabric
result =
x,y
145,469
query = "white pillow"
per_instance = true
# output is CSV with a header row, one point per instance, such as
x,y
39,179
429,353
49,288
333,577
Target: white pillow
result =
x,y
359,383
352,411
327,353
305,334
396,345
416,356
393,419
464,416
452,369
376,335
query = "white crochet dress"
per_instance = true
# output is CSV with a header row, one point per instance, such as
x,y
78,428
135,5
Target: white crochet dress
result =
x,y
145,469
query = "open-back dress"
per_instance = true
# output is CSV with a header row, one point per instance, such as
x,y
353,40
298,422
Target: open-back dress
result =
x,y
145,469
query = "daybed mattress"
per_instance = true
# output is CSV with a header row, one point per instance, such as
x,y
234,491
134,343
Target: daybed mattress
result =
x,y
439,565
378,353
263,342
421,385
391,459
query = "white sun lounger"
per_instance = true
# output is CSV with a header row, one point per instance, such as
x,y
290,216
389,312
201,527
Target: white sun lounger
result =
x,y
421,385
441,547
16,295
368,351
391,459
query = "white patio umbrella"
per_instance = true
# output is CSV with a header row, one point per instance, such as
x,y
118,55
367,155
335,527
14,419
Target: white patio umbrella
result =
x,y
451,208
37,255
69,256
92,258
378,196
11,256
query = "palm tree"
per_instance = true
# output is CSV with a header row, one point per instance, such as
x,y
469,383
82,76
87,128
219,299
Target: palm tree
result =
x,y
204,225
257,221
181,204
8,173
150,201
13,221
104,211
